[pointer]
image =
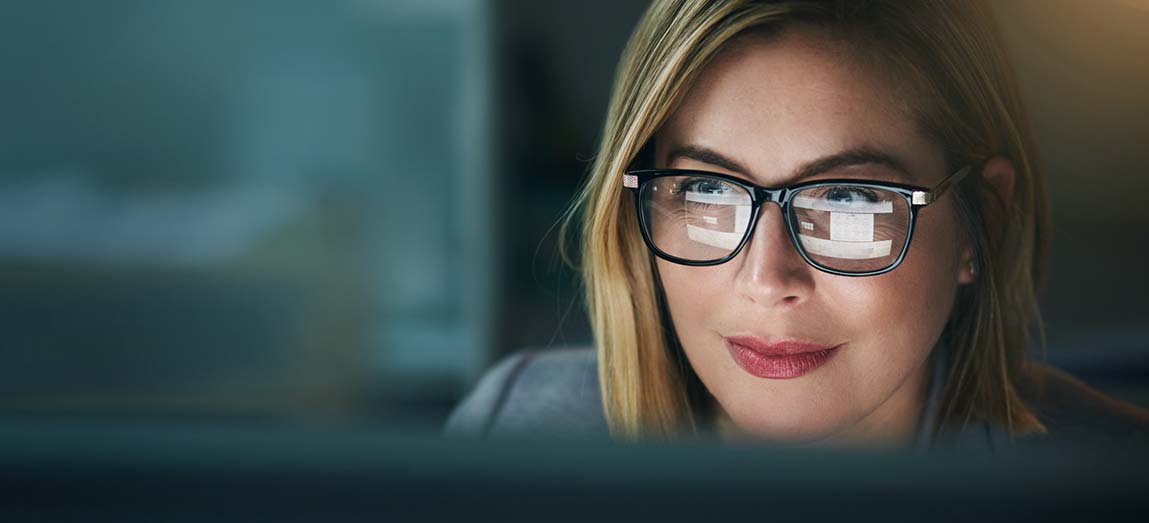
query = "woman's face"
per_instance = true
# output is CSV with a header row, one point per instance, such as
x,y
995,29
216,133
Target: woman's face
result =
x,y
762,110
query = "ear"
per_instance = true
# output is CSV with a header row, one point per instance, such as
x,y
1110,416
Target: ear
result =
x,y
967,269
998,175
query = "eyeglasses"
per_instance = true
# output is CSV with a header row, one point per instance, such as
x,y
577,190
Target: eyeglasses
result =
x,y
844,227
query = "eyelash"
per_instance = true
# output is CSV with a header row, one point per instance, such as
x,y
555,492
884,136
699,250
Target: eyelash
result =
x,y
869,194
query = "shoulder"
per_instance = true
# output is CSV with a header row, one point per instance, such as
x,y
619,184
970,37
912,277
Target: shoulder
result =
x,y
553,391
1074,412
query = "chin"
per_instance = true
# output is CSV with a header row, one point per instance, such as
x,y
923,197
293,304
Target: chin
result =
x,y
787,433
797,424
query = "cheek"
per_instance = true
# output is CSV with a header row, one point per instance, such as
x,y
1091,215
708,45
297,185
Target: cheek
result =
x,y
913,301
932,262
694,293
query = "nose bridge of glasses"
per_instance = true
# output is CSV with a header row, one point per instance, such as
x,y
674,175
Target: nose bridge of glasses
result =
x,y
770,194
777,196
770,236
763,196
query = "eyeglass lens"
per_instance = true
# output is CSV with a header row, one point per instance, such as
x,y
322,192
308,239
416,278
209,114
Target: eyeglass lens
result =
x,y
847,228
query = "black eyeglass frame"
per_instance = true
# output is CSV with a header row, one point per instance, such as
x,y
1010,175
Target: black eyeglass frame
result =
x,y
916,198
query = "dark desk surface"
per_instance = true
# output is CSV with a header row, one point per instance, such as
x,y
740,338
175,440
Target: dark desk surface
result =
x,y
124,471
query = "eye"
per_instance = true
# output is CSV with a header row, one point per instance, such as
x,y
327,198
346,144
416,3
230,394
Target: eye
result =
x,y
849,194
703,186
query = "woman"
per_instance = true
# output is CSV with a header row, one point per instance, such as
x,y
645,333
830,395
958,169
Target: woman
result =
x,y
811,222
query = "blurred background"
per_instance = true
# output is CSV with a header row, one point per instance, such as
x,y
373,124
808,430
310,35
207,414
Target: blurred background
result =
x,y
342,211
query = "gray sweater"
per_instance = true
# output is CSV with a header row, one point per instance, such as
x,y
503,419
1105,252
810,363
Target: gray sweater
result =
x,y
556,393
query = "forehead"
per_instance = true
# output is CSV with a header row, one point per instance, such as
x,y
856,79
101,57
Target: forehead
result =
x,y
776,102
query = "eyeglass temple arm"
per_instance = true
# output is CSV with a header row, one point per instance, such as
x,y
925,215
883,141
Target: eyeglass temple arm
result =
x,y
923,198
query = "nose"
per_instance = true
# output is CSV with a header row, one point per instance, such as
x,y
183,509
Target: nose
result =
x,y
772,272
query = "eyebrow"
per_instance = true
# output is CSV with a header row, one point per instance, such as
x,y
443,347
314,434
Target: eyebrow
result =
x,y
851,157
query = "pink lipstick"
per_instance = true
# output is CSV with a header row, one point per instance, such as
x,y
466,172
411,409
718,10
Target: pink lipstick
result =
x,y
778,360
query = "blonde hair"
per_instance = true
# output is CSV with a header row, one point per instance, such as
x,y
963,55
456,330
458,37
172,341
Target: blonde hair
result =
x,y
965,99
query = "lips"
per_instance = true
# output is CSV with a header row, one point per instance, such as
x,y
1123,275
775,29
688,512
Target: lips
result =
x,y
784,359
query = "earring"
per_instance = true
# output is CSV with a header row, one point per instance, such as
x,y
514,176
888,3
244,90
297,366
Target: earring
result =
x,y
972,269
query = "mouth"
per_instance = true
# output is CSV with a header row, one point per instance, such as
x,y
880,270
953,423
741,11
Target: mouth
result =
x,y
786,359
